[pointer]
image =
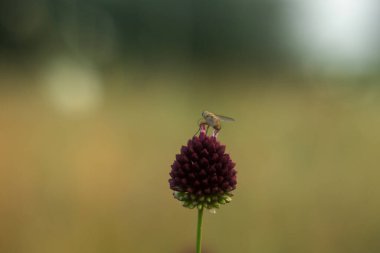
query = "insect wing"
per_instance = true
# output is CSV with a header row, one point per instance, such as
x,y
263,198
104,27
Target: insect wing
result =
x,y
224,118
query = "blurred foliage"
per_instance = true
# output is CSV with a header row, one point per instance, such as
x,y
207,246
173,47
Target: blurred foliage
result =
x,y
262,35
201,30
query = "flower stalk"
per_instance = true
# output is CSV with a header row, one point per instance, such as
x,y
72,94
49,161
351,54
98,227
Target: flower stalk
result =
x,y
199,231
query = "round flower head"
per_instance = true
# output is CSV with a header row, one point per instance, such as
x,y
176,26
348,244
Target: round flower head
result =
x,y
203,174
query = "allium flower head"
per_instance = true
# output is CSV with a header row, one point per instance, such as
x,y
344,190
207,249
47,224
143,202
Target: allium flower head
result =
x,y
203,174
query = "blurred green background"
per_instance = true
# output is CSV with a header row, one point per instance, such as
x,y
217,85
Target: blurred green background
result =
x,y
97,97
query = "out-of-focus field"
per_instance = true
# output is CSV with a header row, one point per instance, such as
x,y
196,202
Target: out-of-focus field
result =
x,y
307,158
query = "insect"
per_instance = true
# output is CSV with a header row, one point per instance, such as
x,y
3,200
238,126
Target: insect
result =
x,y
213,120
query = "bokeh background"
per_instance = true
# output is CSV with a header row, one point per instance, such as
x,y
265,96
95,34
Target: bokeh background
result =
x,y
97,97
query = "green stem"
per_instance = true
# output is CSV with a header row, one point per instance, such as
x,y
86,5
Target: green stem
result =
x,y
199,230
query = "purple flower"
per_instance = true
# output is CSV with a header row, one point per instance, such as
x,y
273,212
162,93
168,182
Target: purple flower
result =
x,y
203,174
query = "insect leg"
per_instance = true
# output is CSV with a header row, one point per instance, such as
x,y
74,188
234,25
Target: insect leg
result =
x,y
197,132
215,133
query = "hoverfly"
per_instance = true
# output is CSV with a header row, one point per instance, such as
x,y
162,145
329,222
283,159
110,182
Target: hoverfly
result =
x,y
213,120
